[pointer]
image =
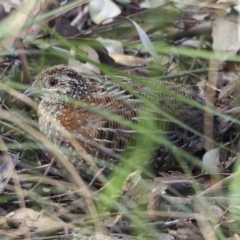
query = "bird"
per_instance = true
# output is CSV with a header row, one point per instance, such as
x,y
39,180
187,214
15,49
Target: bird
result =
x,y
99,118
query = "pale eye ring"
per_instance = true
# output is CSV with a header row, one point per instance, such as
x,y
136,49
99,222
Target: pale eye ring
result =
x,y
53,82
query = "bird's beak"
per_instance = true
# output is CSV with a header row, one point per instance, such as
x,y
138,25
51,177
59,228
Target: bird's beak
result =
x,y
33,92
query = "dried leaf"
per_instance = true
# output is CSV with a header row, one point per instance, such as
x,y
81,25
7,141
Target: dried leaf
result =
x,y
211,161
26,218
101,10
136,189
111,221
13,25
112,46
230,89
11,4
86,68
6,171
130,61
225,36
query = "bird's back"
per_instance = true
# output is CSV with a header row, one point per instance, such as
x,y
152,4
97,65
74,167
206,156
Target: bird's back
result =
x,y
112,115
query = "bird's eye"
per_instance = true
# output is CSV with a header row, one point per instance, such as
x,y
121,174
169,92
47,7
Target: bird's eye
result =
x,y
53,82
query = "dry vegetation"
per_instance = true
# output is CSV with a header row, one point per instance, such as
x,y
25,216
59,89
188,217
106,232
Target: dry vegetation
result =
x,y
192,42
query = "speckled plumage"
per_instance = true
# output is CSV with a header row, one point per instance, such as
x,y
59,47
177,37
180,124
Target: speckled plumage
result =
x,y
103,139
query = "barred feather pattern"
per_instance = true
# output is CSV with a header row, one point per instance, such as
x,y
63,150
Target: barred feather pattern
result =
x,y
80,105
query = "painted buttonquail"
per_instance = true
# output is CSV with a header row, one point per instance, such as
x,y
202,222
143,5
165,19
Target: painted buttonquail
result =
x,y
92,133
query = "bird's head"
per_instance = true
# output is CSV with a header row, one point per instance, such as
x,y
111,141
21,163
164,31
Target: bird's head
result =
x,y
62,81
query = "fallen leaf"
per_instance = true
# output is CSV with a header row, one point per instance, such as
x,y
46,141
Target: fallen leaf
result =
x,y
225,36
103,11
